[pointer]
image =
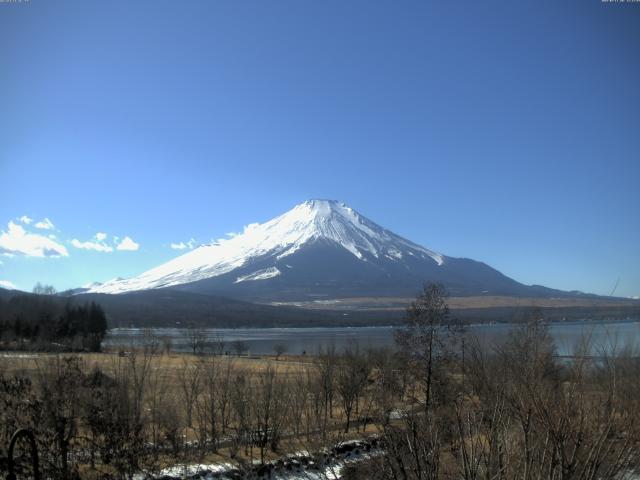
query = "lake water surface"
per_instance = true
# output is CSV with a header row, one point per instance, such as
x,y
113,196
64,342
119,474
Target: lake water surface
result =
x,y
260,341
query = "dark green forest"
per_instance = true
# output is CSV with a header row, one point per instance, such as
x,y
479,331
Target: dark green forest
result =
x,y
46,322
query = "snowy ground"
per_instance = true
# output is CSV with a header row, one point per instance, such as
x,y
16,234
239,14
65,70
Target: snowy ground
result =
x,y
299,466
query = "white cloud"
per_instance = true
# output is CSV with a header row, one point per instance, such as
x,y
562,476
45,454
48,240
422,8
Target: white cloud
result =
x,y
17,241
251,227
182,245
45,224
99,243
8,285
127,243
26,220
96,243
248,229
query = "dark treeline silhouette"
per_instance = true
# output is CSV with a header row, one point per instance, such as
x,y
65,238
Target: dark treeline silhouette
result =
x,y
46,322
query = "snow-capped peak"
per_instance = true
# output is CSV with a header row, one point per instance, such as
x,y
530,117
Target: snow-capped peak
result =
x,y
313,220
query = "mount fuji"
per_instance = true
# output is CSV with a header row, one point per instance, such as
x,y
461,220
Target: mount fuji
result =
x,y
319,250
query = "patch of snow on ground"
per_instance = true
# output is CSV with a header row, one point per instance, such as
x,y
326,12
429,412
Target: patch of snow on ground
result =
x,y
263,274
297,466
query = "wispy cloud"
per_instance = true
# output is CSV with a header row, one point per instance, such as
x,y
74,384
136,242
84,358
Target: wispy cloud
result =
x,y
26,220
17,241
182,245
127,243
45,224
8,285
97,243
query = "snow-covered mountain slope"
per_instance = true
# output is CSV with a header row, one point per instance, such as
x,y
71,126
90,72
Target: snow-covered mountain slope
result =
x,y
320,248
310,221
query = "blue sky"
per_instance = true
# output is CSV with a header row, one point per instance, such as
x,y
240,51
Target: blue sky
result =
x,y
507,132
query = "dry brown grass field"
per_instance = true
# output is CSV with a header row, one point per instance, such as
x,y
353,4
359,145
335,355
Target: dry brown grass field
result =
x,y
173,399
461,303
171,364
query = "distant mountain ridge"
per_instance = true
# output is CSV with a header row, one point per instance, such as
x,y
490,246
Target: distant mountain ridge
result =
x,y
168,307
320,249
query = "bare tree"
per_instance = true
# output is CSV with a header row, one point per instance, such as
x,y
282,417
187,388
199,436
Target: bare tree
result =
x,y
241,414
270,409
41,289
190,384
313,418
59,381
327,361
426,347
158,410
195,339
299,394
217,344
388,386
351,378
427,342
279,349
126,434
224,393
536,418
240,347
167,344
212,403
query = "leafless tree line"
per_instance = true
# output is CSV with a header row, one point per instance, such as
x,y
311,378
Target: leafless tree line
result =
x,y
443,406
143,410
511,411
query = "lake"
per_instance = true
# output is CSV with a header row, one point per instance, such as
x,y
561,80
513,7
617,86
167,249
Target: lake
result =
x,y
260,341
